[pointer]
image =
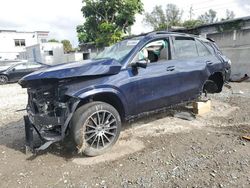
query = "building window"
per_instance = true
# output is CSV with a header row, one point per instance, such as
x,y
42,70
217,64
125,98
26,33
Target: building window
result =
x,y
19,42
49,53
43,40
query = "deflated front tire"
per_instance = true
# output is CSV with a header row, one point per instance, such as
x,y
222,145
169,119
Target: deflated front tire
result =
x,y
96,127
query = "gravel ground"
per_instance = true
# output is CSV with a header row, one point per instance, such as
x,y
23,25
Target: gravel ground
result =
x,y
155,151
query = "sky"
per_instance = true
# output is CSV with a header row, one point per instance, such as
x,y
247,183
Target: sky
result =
x,y
60,17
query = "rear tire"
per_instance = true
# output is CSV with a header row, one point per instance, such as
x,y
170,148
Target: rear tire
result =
x,y
3,79
95,128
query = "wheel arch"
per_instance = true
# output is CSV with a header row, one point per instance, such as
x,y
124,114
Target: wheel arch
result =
x,y
111,97
1,74
214,83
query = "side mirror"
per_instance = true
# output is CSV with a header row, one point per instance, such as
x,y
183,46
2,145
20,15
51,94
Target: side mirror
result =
x,y
14,69
142,64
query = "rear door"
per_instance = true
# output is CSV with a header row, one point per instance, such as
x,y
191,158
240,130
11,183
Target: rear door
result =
x,y
214,60
190,67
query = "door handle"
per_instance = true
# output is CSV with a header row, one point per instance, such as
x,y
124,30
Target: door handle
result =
x,y
171,68
209,63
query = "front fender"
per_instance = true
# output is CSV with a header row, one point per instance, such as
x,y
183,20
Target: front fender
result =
x,y
87,93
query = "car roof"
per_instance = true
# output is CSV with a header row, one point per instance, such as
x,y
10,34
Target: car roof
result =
x,y
167,33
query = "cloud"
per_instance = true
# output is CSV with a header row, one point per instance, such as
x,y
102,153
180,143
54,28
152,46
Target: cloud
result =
x,y
60,17
244,4
8,24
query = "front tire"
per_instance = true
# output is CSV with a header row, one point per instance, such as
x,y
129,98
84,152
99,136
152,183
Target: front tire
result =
x,y
96,128
3,79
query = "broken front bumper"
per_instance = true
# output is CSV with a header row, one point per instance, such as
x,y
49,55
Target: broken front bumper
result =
x,y
47,136
49,129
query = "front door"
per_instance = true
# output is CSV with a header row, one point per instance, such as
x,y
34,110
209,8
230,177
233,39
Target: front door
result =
x,y
17,72
157,85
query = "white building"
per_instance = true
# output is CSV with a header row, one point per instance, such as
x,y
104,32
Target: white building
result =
x,y
72,57
48,53
51,53
13,43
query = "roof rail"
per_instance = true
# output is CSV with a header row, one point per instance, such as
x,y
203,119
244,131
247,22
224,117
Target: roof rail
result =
x,y
166,32
158,33
133,36
211,40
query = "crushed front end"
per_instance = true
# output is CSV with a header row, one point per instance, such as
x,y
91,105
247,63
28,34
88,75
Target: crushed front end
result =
x,y
49,112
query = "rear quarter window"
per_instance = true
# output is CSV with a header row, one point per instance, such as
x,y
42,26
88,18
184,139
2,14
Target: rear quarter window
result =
x,y
210,47
202,49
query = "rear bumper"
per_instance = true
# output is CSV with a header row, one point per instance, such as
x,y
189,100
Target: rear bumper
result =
x,y
227,74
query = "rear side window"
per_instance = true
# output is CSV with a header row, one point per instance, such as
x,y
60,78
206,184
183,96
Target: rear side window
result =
x,y
185,47
202,49
20,67
33,65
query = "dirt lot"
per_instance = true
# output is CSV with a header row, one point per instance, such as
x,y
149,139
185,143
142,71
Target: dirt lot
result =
x,y
155,151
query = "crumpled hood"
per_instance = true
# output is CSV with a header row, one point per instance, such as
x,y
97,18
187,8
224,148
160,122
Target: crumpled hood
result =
x,y
76,69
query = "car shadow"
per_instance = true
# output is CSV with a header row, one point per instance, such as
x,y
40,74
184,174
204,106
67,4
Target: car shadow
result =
x,y
12,135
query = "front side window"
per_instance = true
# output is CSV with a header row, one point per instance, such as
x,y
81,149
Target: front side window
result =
x,y
19,42
185,47
154,52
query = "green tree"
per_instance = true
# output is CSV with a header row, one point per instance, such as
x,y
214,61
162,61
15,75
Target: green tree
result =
x,y
209,17
67,46
106,21
174,15
229,15
161,19
53,40
189,24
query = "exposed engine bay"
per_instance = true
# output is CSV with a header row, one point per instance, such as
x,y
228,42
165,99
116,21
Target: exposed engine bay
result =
x,y
48,112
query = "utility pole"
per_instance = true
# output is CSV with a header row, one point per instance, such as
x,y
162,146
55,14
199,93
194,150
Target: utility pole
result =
x,y
167,19
191,12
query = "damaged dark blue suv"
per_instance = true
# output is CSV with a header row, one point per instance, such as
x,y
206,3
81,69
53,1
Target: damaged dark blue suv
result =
x,y
89,100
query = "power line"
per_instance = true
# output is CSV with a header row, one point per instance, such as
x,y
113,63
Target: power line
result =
x,y
214,6
200,2
203,2
223,7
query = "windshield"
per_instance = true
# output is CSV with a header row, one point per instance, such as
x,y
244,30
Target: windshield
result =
x,y
6,65
118,51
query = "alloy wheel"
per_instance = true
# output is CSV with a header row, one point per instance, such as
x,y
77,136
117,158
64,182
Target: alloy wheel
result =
x,y
101,129
3,79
